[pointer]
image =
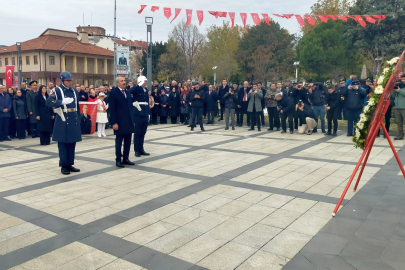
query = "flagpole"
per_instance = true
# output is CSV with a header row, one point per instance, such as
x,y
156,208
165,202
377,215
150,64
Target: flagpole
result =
x,y
115,40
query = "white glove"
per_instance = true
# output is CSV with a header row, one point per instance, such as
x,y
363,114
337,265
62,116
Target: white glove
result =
x,y
136,105
67,100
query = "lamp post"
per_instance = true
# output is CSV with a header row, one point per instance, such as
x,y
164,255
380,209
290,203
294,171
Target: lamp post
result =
x,y
115,40
378,60
296,71
19,62
215,75
149,22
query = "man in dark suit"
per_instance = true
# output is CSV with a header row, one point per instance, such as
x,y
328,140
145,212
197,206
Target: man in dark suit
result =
x,y
243,103
120,104
122,60
212,101
261,114
85,123
223,89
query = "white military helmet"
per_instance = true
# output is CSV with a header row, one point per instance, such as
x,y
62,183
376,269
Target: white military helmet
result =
x,y
141,80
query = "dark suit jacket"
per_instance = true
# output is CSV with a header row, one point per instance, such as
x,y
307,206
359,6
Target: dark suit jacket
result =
x,y
221,93
212,100
121,111
44,124
241,94
122,61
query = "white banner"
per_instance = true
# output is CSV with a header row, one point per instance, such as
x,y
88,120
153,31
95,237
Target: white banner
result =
x,y
122,58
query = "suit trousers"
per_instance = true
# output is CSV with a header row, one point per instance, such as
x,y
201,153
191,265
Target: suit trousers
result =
x,y
332,116
45,138
4,124
261,114
222,110
242,112
197,113
66,154
33,128
230,112
141,125
118,145
12,127
254,118
296,120
290,117
274,118
20,126
211,116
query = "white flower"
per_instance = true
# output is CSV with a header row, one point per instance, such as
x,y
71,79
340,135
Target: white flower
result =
x,y
393,61
380,80
360,125
386,70
357,133
371,101
379,90
363,118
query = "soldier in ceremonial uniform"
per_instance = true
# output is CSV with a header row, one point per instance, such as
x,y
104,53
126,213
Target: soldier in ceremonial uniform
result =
x,y
141,111
67,133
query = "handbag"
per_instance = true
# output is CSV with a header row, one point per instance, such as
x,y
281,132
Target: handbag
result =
x,y
184,110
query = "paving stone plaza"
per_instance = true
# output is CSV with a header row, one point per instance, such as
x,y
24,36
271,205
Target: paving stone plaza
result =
x,y
202,200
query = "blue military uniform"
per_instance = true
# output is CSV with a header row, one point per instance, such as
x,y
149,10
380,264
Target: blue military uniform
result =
x,y
67,133
141,118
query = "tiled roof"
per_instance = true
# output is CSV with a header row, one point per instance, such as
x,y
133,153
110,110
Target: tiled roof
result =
x,y
132,43
59,43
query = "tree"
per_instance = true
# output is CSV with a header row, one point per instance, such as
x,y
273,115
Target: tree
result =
x,y
158,48
273,40
190,41
171,64
324,52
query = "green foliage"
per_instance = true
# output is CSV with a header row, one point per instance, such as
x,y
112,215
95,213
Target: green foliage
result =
x,y
171,64
158,48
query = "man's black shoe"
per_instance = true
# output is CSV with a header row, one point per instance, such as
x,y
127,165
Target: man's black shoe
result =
x,y
334,134
282,132
269,129
119,164
137,154
258,129
327,133
7,139
233,128
73,169
208,122
291,131
128,162
226,128
143,153
192,129
65,171
251,129
323,131
202,129
349,135
398,138
278,129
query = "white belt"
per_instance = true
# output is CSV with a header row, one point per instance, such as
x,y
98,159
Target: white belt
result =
x,y
143,103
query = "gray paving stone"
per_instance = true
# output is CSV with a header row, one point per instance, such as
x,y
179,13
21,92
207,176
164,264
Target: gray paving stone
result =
x,y
364,248
324,243
394,254
377,229
331,262
299,262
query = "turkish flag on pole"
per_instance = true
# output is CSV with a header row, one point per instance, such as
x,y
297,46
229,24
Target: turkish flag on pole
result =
x,y
360,20
310,20
322,18
142,8
377,17
189,13
330,17
168,12
255,18
214,13
176,13
200,15
154,8
232,16
243,16
278,15
266,18
288,16
9,75
221,14
342,18
300,20
348,16
369,19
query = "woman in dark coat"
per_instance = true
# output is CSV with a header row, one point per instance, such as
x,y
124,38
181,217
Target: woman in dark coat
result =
x,y
174,105
12,124
44,116
164,102
156,108
184,110
20,114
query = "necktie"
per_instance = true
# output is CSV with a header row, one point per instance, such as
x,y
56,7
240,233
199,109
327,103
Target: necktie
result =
x,y
123,91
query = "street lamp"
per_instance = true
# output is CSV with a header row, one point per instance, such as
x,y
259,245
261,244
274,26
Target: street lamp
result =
x,y
296,71
149,22
378,60
215,75
115,40
19,63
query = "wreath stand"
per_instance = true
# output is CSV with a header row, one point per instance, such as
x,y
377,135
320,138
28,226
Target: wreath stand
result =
x,y
375,124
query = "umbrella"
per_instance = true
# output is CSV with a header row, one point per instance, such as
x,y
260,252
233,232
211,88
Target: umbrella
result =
x,y
363,73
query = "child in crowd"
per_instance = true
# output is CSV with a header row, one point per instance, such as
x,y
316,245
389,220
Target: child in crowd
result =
x,y
102,118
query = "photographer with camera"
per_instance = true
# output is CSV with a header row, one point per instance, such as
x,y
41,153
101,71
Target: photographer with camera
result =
x,y
255,106
399,98
354,99
231,100
271,104
285,106
306,116
332,110
318,97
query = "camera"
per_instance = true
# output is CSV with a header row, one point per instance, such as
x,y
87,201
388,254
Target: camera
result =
x,y
279,108
272,96
300,103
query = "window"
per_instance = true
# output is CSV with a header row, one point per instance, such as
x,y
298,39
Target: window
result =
x,y
1,64
27,60
13,61
35,59
6,61
52,60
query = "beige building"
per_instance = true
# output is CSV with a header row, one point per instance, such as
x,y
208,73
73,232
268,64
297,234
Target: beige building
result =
x,y
55,51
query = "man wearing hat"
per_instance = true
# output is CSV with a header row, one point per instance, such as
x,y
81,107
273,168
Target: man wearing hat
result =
x,y
30,97
354,98
67,132
141,111
342,91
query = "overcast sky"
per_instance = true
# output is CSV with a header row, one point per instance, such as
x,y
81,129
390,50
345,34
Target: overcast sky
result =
x,y
26,19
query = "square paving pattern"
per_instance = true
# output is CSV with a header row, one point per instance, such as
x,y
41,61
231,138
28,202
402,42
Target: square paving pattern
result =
x,y
219,200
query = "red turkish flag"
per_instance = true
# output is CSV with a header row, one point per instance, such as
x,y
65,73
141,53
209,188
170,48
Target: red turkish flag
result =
x,y
9,76
383,17
266,18
168,12
360,20
322,18
377,17
288,16
200,15
300,20
342,18
330,17
369,19
142,8
310,20
348,16
214,13
221,14
154,8
176,13
189,13
232,16
256,18
243,16
278,15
